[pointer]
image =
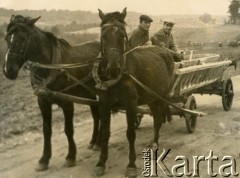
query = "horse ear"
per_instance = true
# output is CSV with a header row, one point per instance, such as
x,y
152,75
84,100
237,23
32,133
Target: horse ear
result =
x,y
101,14
12,18
33,21
124,13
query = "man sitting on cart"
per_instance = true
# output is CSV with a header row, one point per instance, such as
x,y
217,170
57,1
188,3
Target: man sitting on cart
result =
x,y
140,36
164,38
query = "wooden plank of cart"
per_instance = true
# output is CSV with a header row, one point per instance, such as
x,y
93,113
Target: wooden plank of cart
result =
x,y
203,75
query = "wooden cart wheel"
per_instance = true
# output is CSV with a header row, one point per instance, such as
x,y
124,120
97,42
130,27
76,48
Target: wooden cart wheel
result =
x,y
227,94
191,120
138,121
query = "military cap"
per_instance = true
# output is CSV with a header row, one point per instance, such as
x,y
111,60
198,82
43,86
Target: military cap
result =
x,y
168,23
145,18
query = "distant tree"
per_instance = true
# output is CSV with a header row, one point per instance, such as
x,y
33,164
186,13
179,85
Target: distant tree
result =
x,y
206,18
233,10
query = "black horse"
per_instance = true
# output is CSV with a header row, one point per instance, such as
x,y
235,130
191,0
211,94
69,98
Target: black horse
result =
x,y
26,42
152,65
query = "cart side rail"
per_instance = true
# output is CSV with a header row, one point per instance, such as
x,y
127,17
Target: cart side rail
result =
x,y
190,78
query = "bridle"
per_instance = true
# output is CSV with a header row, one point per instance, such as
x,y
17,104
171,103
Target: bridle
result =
x,y
21,53
104,85
114,49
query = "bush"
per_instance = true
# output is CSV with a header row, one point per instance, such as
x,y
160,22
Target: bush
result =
x,y
237,37
233,43
206,18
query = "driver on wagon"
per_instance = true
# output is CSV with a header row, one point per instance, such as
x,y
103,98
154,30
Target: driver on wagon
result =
x,y
140,36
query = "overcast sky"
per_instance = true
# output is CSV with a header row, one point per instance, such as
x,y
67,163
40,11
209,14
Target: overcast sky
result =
x,y
153,7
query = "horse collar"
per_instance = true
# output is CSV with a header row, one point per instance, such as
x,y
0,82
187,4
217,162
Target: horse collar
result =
x,y
56,54
103,85
56,59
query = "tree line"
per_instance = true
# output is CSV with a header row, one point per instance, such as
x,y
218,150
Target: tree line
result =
x,y
234,11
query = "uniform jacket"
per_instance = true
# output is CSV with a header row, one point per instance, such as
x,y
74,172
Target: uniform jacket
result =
x,y
139,37
162,39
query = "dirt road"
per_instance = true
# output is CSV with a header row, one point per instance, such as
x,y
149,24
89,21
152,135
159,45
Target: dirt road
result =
x,y
218,131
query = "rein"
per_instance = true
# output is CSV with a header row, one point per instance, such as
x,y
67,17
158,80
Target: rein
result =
x,y
196,113
60,69
64,66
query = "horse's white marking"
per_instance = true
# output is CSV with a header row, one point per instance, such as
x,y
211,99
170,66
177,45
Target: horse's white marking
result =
x,y
107,24
5,65
115,28
6,56
12,36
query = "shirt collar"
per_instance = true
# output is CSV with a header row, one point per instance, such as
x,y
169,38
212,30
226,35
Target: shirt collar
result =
x,y
142,29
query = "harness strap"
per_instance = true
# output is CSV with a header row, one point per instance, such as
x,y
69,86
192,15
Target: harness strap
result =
x,y
196,113
125,56
79,82
56,59
64,66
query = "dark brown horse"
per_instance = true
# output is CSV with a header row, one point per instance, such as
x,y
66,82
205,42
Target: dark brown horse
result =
x,y
26,42
152,65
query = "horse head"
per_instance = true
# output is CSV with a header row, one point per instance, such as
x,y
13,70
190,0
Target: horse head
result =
x,y
113,35
20,44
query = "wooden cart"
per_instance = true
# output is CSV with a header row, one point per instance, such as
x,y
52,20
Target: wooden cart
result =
x,y
202,75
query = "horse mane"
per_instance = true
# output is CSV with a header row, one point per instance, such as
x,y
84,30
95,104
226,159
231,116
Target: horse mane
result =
x,y
18,19
54,39
9,26
111,17
21,20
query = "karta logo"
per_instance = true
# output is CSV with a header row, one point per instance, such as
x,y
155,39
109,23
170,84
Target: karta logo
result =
x,y
153,163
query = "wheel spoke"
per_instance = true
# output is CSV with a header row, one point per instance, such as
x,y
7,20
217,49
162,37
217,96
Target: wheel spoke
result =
x,y
227,94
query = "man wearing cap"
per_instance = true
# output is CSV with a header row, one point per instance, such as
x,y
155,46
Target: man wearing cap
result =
x,y
163,37
140,36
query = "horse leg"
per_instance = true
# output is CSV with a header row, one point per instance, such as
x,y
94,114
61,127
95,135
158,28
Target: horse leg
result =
x,y
131,112
158,117
105,116
95,141
68,110
46,111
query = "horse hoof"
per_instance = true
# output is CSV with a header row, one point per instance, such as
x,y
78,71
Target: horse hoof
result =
x,y
96,148
99,171
41,167
131,172
69,163
90,146
155,146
